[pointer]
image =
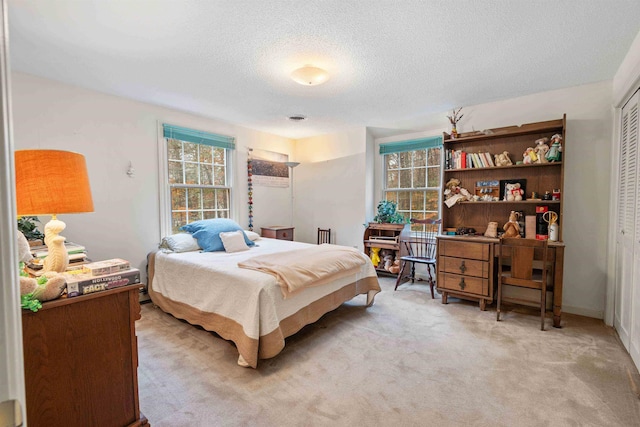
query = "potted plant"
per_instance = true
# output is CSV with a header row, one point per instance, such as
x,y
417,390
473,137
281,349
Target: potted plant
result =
x,y
387,213
27,226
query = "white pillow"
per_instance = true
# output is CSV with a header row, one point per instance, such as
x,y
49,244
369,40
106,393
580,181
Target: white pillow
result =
x,y
252,235
181,242
233,241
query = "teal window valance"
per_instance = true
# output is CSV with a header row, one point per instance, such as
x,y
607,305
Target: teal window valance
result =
x,y
199,137
410,145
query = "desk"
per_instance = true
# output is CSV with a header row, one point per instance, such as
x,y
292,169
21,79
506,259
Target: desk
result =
x,y
466,269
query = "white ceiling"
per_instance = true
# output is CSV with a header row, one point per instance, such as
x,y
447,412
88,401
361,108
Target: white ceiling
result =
x,y
392,63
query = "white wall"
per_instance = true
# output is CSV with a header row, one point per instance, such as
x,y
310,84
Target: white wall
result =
x,y
332,183
111,132
331,187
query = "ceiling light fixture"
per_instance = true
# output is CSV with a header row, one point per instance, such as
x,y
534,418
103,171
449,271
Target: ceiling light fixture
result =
x,y
310,75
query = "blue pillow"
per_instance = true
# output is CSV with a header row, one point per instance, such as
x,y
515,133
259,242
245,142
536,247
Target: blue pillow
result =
x,y
207,233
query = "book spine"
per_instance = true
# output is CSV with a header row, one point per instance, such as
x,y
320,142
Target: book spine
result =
x,y
102,283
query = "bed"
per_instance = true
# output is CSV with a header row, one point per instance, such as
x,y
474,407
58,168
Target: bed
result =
x,y
248,306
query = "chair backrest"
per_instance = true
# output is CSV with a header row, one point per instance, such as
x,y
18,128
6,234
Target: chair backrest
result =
x,y
524,256
422,241
324,235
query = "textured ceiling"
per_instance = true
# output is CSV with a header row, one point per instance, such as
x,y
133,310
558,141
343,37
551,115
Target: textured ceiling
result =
x,y
392,63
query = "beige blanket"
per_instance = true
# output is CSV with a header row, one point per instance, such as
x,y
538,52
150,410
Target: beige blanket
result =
x,y
313,266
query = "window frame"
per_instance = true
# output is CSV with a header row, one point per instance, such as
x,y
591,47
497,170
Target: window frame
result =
x,y
165,187
425,213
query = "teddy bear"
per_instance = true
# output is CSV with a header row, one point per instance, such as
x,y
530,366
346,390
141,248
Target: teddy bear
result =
x,y
511,228
454,193
513,192
395,268
503,159
47,287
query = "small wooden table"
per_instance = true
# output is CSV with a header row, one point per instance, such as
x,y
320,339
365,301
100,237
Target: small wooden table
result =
x,y
278,232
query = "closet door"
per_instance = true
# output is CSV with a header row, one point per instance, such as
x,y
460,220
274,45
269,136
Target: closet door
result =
x,y
627,296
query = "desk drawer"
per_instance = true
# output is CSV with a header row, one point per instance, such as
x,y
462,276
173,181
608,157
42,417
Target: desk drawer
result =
x,y
468,267
466,284
470,250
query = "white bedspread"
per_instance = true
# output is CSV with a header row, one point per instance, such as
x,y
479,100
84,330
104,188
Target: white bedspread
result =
x,y
212,282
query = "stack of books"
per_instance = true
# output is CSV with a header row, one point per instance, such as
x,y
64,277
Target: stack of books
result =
x,y
100,276
77,258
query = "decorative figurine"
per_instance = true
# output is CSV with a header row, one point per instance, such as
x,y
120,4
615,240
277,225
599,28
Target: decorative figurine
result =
x,y
555,152
454,119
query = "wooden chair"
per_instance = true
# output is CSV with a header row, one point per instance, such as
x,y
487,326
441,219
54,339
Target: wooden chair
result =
x,y
526,262
420,248
324,235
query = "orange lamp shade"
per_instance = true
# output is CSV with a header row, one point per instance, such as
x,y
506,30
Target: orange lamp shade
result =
x,y
51,182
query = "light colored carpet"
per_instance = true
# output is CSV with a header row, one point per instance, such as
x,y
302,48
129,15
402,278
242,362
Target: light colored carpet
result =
x,y
407,361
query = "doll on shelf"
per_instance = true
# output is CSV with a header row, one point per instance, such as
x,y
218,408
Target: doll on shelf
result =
x,y
555,151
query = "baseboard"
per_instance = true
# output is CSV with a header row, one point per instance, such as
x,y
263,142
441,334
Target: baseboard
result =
x,y
581,311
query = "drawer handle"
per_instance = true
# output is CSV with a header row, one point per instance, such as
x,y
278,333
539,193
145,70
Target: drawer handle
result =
x,y
463,268
462,284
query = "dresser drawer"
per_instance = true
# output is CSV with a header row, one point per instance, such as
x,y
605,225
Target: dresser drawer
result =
x,y
468,267
466,284
470,250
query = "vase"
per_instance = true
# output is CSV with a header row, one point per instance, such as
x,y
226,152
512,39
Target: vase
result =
x,y
454,132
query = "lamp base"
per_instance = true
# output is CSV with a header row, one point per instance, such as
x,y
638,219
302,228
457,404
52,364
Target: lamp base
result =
x,y
58,258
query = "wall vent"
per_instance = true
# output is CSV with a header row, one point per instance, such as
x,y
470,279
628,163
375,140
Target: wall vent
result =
x,y
297,118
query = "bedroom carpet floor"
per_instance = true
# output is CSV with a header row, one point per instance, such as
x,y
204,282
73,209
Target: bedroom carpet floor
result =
x,y
406,361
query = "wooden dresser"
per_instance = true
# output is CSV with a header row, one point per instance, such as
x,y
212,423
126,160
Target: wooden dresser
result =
x,y
277,232
465,269
81,360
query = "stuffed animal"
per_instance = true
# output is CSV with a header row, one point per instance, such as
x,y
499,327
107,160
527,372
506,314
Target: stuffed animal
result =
x,y
511,228
529,156
541,150
513,192
503,159
375,256
47,287
454,193
395,268
388,262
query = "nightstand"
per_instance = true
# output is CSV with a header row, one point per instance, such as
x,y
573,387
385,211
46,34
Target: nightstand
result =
x,y
278,232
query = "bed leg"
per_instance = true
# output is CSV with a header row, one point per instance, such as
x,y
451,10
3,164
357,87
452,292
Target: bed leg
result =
x,y
370,297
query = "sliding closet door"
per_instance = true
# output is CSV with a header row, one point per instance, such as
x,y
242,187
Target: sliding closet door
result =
x,y
627,302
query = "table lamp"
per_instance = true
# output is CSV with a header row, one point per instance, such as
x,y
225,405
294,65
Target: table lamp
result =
x,y
52,182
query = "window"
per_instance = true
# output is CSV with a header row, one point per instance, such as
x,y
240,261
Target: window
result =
x,y
197,178
412,171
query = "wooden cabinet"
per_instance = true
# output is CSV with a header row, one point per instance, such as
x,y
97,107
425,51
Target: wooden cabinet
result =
x,y
465,268
539,177
384,237
466,263
81,360
277,232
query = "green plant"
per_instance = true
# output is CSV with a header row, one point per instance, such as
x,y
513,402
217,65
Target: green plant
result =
x,y
27,225
387,213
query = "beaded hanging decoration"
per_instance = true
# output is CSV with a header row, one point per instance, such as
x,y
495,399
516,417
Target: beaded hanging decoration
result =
x,y
250,189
